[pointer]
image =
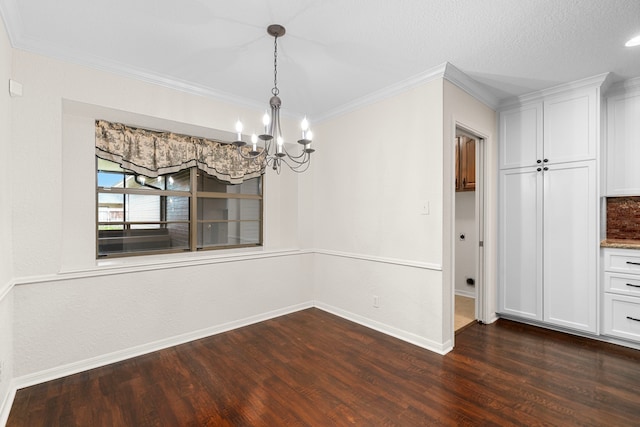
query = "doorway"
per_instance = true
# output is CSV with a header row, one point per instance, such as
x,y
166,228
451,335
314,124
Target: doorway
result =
x,y
468,229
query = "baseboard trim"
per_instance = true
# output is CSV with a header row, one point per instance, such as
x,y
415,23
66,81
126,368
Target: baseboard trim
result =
x,y
465,294
118,356
7,403
602,338
422,342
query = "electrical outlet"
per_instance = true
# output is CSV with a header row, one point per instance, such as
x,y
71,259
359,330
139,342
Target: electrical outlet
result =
x,y
376,301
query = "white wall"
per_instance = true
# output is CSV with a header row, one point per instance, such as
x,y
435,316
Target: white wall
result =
x,y
72,312
376,167
463,110
6,250
466,249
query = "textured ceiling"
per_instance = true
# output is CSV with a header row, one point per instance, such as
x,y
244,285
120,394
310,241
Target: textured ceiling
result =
x,y
335,51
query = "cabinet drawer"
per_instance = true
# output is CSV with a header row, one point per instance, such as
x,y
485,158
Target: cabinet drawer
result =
x,y
622,316
623,261
628,284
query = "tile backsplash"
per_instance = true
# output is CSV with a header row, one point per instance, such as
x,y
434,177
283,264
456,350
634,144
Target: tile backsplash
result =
x,y
623,218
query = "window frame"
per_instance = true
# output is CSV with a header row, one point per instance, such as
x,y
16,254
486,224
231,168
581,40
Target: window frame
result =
x,y
193,194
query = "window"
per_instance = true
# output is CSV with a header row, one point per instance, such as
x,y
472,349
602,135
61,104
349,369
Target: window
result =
x,y
188,210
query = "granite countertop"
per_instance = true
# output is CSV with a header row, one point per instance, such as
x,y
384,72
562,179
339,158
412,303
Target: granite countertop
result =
x,y
620,244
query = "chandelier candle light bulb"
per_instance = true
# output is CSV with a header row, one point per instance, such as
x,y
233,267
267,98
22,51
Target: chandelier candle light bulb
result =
x,y
307,147
238,142
254,142
307,136
305,127
280,143
266,121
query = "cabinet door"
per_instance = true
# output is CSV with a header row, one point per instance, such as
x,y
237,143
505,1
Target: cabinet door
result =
x,y
570,246
623,145
467,164
622,316
520,249
521,136
570,127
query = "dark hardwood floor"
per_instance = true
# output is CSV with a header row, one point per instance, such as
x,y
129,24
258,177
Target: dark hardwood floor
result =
x,y
311,368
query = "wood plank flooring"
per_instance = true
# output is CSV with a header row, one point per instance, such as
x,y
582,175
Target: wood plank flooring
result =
x,y
311,368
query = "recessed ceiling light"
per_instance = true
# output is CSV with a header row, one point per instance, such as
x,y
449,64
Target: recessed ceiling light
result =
x,y
635,41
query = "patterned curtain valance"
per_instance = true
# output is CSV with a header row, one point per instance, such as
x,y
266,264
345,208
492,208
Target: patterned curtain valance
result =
x,y
152,153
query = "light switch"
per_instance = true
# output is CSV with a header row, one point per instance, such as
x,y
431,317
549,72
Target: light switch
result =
x,y
424,207
15,88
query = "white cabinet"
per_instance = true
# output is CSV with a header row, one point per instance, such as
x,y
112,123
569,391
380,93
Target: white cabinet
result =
x,y
571,127
570,246
521,136
521,243
559,129
548,244
621,314
623,145
548,248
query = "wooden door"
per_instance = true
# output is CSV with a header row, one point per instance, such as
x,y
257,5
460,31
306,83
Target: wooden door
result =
x,y
467,181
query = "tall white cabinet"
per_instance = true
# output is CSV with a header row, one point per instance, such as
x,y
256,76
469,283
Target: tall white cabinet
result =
x,y
548,251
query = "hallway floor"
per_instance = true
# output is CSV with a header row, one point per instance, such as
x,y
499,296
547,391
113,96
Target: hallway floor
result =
x,y
465,312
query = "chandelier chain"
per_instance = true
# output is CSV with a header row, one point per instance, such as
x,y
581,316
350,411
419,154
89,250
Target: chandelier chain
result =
x,y
275,91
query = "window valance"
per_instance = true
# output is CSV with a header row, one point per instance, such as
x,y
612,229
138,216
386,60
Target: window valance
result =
x,y
153,153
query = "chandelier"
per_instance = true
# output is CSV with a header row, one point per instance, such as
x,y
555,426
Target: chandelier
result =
x,y
273,151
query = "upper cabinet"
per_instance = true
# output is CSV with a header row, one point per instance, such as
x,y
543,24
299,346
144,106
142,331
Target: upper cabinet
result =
x,y
465,163
557,130
521,136
623,145
571,127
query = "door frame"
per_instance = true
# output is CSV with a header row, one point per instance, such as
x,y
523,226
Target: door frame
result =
x,y
481,301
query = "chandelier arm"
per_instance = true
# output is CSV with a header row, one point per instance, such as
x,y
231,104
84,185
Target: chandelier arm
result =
x,y
293,157
302,155
299,167
296,163
295,160
248,156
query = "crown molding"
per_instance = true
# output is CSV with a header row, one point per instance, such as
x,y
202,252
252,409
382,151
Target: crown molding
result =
x,y
600,80
101,64
625,86
387,92
13,24
446,71
471,86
